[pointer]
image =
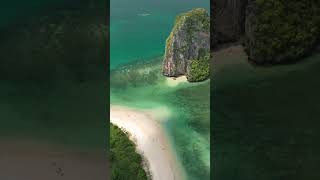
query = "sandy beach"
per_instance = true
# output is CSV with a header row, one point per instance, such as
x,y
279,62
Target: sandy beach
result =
x,y
174,81
150,138
225,56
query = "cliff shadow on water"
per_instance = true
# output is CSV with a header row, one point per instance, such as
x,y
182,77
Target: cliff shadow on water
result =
x,y
265,119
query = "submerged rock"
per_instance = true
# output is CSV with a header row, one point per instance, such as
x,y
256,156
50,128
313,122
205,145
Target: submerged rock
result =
x,y
188,41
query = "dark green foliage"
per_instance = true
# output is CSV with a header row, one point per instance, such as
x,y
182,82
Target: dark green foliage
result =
x,y
282,30
190,19
195,15
126,163
199,70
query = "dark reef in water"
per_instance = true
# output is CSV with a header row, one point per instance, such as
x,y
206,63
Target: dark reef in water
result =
x,y
272,31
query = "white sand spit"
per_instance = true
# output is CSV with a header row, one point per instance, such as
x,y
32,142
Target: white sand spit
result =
x,y
148,134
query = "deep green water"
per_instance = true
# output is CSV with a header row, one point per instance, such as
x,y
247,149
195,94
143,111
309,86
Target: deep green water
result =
x,y
266,120
56,108
138,33
17,11
69,113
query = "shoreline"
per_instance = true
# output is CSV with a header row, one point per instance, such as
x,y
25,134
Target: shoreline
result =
x,y
234,55
175,81
237,50
152,143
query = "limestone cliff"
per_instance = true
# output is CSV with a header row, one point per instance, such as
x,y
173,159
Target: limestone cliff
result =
x,y
272,31
228,17
189,41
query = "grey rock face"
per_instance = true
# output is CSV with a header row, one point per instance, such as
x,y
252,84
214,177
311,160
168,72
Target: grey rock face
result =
x,y
228,20
189,40
251,23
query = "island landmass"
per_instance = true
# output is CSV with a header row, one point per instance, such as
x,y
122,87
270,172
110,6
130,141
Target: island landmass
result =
x,y
187,49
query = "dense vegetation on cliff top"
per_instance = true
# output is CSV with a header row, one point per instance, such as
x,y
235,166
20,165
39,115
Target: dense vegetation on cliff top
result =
x,y
199,70
282,30
187,19
126,163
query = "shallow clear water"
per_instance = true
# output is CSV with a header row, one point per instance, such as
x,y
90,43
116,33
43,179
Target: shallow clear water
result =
x,y
142,86
138,33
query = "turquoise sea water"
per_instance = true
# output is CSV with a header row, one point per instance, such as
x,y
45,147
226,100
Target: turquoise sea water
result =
x,y
138,29
142,86
138,33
